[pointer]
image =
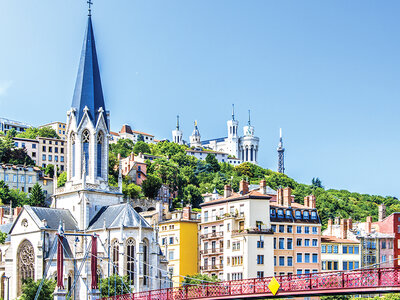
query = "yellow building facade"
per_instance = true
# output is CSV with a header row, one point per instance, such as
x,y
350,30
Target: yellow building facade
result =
x,y
178,238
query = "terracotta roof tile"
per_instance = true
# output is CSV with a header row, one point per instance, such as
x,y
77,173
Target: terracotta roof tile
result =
x,y
334,239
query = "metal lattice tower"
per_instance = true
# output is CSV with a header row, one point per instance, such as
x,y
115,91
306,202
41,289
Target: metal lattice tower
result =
x,y
281,154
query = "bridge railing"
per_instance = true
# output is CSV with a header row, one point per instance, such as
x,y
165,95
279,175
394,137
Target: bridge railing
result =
x,y
357,279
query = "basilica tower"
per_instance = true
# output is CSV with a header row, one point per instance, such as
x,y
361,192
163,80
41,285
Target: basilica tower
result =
x,y
233,138
177,134
248,147
195,138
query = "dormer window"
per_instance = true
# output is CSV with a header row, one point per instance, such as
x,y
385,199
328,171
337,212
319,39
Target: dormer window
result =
x,y
280,213
273,212
313,215
298,215
306,215
288,213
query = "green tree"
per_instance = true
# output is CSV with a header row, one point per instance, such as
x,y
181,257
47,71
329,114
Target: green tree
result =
x,y
114,285
213,161
19,198
62,179
49,170
316,183
36,198
3,237
48,132
131,191
199,279
193,196
141,147
29,133
151,186
30,287
124,147
5,196
140,138
277,180
12,133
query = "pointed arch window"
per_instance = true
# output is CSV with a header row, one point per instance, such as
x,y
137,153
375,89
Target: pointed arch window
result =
x,y
85,142
100,142
130,260
73,154
145,262
26,263
115,256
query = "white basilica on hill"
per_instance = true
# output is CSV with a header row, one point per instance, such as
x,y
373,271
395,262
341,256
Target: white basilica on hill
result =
x,y
86,205
243,147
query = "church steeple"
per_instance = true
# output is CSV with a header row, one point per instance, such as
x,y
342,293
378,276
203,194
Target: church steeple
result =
x,y
88,90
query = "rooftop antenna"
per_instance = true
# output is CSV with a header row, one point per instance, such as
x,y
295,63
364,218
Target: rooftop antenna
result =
x,y
249,118
233,112
281,154
177,122
90,3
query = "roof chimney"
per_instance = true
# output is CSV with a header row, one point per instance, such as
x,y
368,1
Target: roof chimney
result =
x,y
279,196
287,197
244,187
227,191
312,202
186,213
368,224
382,212
306,202
349,224
337,220
343,229
132,156
330,224
263,186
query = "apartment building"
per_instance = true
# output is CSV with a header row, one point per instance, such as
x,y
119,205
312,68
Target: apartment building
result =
x,y
24,178
178,238
59,127
297,234
6,125
220,156
52,151
236,240
135,167
31,147
339,254
126,132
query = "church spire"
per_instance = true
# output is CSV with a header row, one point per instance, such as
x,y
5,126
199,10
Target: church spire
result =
x,y
88,91
177,122
249,122
233,112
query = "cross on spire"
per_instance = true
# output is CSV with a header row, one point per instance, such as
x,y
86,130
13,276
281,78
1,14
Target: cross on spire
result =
x,y
90,3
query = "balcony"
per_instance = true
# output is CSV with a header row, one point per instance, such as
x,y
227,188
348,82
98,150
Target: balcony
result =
x,y
212,267
212,235
212,251
252,231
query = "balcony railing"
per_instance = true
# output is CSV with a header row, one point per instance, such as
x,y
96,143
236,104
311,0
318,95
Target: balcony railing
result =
x,y
212,251
212,235
252,231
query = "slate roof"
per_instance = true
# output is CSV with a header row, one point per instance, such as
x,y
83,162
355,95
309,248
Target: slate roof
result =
x,y
6,229
115,216
88,91
53,217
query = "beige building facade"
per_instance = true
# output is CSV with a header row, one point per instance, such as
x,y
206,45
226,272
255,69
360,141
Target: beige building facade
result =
x,y
59,127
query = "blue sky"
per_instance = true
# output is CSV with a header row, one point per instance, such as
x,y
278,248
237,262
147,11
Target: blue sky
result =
x,y
327,72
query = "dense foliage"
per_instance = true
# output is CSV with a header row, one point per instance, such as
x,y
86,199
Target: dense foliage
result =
x,y
114,285
30,287
199,279
33,133
9,154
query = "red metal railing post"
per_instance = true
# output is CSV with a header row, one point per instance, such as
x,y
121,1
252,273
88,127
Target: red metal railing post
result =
x,y
379,276
254,285
343,279
230,288
310,285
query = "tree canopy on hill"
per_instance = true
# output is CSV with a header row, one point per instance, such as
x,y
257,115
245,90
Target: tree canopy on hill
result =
x,y
9,154
189,177
33,133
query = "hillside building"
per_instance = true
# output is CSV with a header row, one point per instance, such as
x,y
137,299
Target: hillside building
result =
x,y
59,128
6,125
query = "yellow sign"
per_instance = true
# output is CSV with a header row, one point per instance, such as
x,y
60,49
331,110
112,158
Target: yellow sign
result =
x,y
274,286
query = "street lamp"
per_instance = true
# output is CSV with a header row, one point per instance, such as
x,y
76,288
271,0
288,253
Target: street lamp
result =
x,y
8,286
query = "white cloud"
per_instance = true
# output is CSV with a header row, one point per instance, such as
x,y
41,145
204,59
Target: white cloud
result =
x,y
4,86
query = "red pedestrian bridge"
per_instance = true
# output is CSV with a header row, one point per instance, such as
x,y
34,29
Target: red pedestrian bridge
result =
x,y
367,281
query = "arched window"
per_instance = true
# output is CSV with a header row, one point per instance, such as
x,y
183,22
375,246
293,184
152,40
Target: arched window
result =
x,y
130,259
298,214
26,263
280,213
85,144
73,154
145,262
100,141
115,256
273,213
288,213
306,215
313,215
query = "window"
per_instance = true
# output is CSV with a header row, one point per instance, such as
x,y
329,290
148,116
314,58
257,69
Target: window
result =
x,y
356,249
281,243
273,213
323,249
274,243
315,258
33,146
16,144
275,261
315,230
298,242
383,258
298,214
273,227
55,149
281,228
306,271
335,249
44,157
306,215
289,261
50,158
14,178
315,243
206,216
383,245
280,213
313,215
298,229
299,257
100,140
22,178
288,214
306,229
289,228
6,177
130,259
44,148
324,265
306,242
351,249
260,244
115,256
356,265
307,257
350,265
55,158
260,274
260,259
171,240
299,271
171,255
29,179
335,265
281,260
329,248
164,241
85,141
289,244
344,249
50,149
